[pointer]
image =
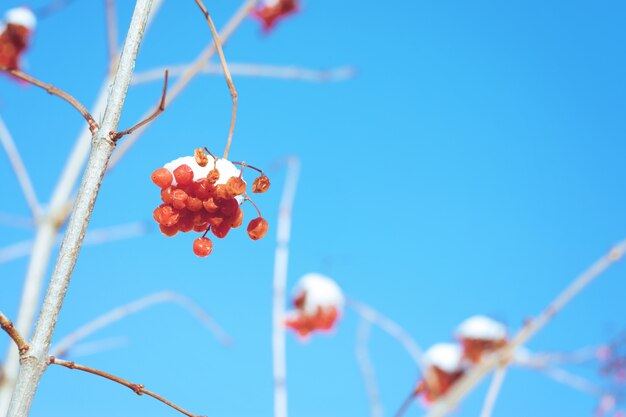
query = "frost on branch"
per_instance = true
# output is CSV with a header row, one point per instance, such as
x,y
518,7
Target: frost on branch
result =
x,y
480,334
202,193
318,302
443,367
15,33
271,11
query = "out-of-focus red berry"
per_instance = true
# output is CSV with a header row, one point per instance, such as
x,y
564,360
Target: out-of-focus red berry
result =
x,y
168,230
261,184
269,15
183,174
162,177
179,199
257,228
202,246
236,185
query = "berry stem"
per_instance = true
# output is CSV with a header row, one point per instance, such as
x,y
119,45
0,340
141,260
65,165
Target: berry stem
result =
x,y
250,200
243,164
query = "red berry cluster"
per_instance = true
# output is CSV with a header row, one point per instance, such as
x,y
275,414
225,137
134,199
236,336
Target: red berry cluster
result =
x,y
271,12
203,203
305,323
14,39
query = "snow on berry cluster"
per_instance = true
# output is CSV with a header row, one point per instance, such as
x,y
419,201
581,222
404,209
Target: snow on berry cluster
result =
x,y
202,193
271,11
446,363
318,303
15,33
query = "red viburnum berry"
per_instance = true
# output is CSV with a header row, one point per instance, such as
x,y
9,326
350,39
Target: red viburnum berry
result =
x,y
213,176
200,157
261,184
185,224
166,195
236,185
166,215
183,174
222,191
179,199
202,246
203,189
194,204
210,206
168,230
220,231
15,33
162,177
257,228
229,207
237,218
272,11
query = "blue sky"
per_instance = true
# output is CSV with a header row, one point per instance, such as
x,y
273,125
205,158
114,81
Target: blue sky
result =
x,y
475,165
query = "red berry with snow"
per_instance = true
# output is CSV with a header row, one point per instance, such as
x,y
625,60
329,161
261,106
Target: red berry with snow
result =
x,y
183,174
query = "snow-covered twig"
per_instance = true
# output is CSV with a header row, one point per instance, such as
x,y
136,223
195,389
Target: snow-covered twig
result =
x,y
281,262
367,369
253,70
494,390
136,388
35,362
64,345
20,170
488,363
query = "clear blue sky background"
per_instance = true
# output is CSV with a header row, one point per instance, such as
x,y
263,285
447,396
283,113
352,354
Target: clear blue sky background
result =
x,y
476,164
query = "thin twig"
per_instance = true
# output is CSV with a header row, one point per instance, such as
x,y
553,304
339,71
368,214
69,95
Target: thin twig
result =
x,y
281,263
8,327
494,390
20,170
35,363
391,328
64,345
229,78
367,368
111,23
117,136
406,404
240,15
50,89
253,70
93,237
13,220
136,388
467,383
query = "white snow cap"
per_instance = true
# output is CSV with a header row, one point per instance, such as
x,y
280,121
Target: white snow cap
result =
x,y
445,356
21,16
271,2
321,291
224,166
481,327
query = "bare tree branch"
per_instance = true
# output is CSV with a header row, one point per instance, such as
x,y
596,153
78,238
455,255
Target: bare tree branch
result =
x,y
253,70
187,76
119,313
50,89
391,328
117,136
489,362
13,220
20,170
111,24
8,327
367,368
35,363
281,264
494,390
136,388
93,237
229,78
